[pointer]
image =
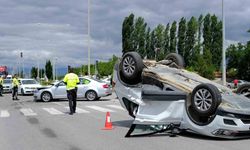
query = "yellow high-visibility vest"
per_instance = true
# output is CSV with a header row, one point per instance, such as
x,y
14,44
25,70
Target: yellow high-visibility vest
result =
x,y
71,79
15,82
1,81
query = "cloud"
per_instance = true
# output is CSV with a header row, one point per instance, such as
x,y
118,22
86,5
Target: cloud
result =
x,y
49,29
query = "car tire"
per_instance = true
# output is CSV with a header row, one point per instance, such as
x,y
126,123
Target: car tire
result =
x,y
177,59
91,95
131,67
46,97
205,99
244,89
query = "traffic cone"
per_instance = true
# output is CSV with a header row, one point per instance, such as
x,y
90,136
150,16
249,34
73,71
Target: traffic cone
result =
x,y
108,123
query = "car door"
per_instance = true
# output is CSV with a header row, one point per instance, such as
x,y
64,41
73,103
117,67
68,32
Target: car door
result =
x,y
83,87
60,90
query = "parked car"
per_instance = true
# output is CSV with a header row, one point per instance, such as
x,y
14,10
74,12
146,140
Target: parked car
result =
x,y
91,89
28,86
231,84
107,80
164,95
7,85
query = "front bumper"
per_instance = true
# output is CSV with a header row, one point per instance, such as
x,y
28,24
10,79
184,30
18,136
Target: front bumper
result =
x,y
225,125
7,90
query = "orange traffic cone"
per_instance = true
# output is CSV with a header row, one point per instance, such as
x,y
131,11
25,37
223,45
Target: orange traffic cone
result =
x,y
108,123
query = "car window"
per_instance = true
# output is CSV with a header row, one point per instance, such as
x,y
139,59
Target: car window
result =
x,y
61,84
28,81
7,81
84,81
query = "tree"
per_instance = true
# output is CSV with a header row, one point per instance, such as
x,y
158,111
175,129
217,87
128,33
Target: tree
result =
x,y
127,31
244,65
200,23
190,41
173,37
207,34
139,36
48,68
147,47
33,72
159,41
167,40
151,53
181,36
216,42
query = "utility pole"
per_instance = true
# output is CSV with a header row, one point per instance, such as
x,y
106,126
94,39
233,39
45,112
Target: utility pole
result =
x,y
89,37
223,47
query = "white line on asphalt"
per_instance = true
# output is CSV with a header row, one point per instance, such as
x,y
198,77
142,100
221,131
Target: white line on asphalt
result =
x,y
60,104
100,108
116,107
4,114
53,111
79,110
27,112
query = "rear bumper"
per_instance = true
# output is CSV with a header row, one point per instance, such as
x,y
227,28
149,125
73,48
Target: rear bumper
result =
x,y
104,92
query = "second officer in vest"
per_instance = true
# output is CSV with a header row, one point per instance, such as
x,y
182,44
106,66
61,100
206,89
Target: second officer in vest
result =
x,y
71,80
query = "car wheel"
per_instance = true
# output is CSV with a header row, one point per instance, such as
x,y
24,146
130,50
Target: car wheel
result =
x,y
46,97
131,67
22,92
205,99
91,95
175,59
244,89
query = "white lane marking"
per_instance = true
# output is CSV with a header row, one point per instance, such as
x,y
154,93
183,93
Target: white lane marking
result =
x,y
4,114
116,107
53,111
28,112
60,104
79,110
100,108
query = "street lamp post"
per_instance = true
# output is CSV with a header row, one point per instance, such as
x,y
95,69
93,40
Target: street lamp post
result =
x,y
89,37
223,47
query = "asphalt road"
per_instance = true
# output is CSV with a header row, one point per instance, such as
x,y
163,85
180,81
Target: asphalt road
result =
x,y
29,125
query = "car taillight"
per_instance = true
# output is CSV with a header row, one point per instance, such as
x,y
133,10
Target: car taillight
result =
x,y
105,86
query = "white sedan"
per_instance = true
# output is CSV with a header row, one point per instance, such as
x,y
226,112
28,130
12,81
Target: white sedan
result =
x,y
88,88
28,86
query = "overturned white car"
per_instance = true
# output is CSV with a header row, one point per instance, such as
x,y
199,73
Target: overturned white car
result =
x,y
164,96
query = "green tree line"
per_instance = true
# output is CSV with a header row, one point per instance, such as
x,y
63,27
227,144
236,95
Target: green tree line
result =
x,y
238,61
48,71
198,40
103,68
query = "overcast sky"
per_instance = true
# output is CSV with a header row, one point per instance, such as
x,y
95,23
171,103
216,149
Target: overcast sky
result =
x,y
46,29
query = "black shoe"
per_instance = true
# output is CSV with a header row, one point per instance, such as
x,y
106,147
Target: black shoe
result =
x,y
13,98
71,113
17,99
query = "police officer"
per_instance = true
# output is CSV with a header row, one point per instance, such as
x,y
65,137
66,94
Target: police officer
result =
x,y
15,84
1,85
71,80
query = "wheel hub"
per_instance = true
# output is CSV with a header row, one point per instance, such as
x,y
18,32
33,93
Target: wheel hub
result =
x,y
203,99
129,65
